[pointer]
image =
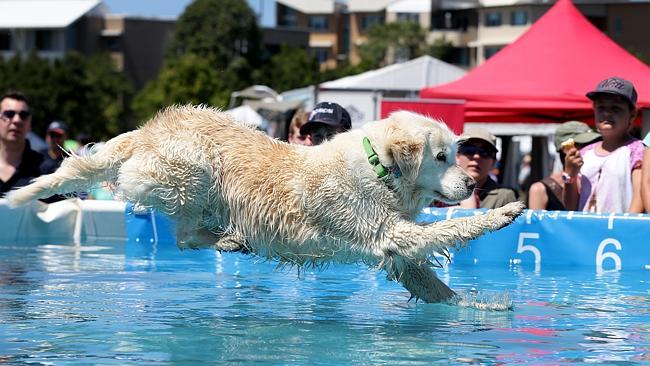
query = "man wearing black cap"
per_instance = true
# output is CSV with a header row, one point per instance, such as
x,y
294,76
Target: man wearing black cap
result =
x,y
57,133
326,120
477,153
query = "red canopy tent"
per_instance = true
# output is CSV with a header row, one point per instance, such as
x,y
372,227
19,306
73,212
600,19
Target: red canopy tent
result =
x,y
543,76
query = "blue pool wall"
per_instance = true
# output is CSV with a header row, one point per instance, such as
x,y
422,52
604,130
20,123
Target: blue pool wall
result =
x,y
604,242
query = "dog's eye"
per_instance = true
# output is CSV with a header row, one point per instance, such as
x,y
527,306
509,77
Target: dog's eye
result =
x,y
441,156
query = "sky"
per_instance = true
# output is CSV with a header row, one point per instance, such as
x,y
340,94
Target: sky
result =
x,y
173,8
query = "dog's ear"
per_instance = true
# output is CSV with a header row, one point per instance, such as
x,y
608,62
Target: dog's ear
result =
x,y
406,151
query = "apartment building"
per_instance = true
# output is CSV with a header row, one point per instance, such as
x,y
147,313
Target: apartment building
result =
x,y
53,27
49,28
479,29
627,24
137,45
476,29
326,23
363,14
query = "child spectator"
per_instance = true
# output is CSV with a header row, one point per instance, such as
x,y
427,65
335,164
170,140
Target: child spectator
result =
x,y
613,165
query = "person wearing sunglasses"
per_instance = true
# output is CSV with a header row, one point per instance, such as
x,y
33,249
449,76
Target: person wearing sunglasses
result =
x,y
477,151
55,136
19,164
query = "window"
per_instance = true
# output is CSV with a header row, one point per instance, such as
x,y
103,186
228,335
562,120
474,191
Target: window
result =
x,y
448,20
368,21
112,42
519,17
5,40
618,26
241,46
321,54
408,17
45,40
288,16
489,51
493,19
344,45
319,22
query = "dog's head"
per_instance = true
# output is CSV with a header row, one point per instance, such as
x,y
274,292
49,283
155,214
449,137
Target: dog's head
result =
x,y
424,150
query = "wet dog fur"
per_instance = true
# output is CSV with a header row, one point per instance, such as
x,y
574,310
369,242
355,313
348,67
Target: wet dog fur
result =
x,y
233,188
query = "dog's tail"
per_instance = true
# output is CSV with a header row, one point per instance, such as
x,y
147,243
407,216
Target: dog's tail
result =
x,y
78,173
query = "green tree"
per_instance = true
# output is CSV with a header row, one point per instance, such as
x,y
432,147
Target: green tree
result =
x,y
291,68
88,95
85,92
187,79
440,49
221,29
31,75
390,42
215,50
109,92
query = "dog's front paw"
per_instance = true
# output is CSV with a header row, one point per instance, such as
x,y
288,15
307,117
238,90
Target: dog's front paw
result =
x,y
505,215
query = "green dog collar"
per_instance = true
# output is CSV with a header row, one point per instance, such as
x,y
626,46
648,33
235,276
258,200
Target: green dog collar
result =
x,y
381,171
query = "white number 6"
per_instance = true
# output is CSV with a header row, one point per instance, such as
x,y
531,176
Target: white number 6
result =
x,y
600,256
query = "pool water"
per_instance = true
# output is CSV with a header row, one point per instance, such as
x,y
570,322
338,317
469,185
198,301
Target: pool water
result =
x,y
141,304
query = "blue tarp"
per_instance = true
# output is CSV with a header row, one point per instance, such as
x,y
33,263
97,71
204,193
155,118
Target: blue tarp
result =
x,y
558,238
536,239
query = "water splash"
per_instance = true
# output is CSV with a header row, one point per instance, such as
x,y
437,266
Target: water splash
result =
x,y
495,301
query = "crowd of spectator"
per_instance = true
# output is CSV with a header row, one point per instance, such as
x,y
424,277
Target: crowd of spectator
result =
x,y
602,170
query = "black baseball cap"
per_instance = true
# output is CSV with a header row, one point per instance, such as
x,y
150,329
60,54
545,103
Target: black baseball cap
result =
x,y
58,126
615,86
327,113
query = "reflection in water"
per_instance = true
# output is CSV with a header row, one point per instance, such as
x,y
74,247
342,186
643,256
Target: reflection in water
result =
x,y
14,285
140,303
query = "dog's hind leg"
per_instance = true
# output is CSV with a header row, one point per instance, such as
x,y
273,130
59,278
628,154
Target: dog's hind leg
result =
x,y
204,238
175,179
419,279
232,243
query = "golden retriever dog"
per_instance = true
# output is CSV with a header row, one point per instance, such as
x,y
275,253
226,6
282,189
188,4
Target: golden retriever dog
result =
x,y
352,199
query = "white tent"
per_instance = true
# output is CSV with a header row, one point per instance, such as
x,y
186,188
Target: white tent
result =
x,y
249,116
361,94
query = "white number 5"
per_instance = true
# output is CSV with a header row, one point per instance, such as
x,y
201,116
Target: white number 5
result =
x,y
530,248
